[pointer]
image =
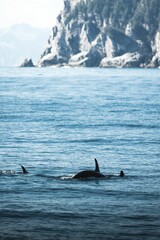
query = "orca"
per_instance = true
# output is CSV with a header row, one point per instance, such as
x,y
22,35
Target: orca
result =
x,y
121,174
11,172
90,173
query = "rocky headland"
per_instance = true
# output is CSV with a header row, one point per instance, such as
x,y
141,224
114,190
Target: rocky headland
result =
x,y
105,33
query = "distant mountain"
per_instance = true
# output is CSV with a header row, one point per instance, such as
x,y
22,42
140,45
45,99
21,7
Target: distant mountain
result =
x,y
21,41
106,33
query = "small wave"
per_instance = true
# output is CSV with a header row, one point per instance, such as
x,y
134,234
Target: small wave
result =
x,y
69,177
64,177
35,213
89,140
149,126
46,176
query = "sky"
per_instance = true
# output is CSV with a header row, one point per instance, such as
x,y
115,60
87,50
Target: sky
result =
x,y
38,13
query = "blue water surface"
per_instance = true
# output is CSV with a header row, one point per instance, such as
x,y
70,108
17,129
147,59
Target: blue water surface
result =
x,y
55,121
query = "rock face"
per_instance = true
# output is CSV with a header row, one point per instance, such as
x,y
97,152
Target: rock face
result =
x,y
94,34
155,62
27,63
127,60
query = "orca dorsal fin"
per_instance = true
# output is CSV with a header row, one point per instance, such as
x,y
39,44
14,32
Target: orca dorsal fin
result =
x,y
24,170
96,166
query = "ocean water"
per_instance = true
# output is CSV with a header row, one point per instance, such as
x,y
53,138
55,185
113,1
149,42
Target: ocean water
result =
x,y
55,121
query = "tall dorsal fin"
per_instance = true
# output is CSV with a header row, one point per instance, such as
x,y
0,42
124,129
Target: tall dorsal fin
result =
x,y
96,165
24,170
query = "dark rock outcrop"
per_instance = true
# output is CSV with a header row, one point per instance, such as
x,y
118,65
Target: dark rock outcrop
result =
x,y
27,63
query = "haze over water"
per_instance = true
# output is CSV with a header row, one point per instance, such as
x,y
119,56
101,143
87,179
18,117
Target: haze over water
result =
x,y
55,121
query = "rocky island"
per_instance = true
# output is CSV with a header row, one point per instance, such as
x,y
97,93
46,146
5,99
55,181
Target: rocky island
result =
x,y
105,33
27,63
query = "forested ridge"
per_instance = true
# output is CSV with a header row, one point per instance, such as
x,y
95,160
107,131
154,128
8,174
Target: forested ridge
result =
x,y
118,13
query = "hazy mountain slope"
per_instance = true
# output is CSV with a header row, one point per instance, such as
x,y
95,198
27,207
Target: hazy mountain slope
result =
x,y
19,42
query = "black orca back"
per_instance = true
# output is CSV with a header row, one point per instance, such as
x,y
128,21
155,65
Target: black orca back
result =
x,y
89,173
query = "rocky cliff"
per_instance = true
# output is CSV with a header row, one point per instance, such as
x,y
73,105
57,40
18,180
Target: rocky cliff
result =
x,y
106,33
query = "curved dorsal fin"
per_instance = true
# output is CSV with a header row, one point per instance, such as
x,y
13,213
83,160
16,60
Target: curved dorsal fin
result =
x,y
96,166
24,170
